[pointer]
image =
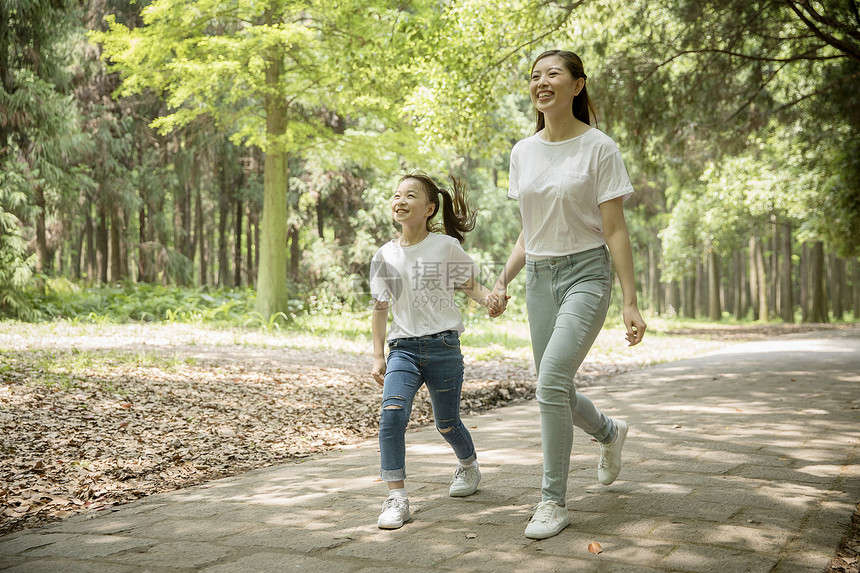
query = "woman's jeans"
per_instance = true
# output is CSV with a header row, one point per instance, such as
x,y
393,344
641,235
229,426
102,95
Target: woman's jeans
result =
x,y
567,298
434,360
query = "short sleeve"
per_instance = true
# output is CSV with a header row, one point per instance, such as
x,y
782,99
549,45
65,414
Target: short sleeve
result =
x,y
459,266
613,181
513,175
386,284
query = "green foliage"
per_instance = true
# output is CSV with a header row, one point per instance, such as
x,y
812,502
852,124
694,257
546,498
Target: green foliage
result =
x,y
63,299
16,265
727,114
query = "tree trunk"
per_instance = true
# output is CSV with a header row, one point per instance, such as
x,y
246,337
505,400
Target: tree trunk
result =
x,y
77,254
736,285
295,253
123,245
146,262
89,232
804,283
786,295
200,237
817,288
837,280
272,272
117,272
753,276
760,279
775,272
688,296
847,286
715,309
237,246
183,220
223,234
657,305
252,243
856,289
43,257
673,299
102,241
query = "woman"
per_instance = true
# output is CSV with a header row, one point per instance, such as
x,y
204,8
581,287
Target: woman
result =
x,y
570,182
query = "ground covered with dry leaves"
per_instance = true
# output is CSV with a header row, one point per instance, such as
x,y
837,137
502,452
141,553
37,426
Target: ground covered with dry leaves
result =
x,y
92,416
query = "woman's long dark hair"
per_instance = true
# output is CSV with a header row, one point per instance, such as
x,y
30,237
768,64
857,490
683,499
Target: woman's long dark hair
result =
x,y
582,103
457,217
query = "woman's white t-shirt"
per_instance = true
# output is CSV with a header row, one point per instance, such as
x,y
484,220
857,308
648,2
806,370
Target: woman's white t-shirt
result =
x,y
559,186
418,282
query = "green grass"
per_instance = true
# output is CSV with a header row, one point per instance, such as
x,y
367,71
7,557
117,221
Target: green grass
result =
x,y
314,313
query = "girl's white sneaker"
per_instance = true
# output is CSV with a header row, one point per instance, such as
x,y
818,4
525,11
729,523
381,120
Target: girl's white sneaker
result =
x,y
395,512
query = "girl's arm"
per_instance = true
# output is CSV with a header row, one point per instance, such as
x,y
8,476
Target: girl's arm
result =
x,y
476,291
379,324
483,296
618,240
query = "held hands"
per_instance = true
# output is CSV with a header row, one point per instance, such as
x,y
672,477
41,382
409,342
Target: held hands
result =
x,y
378,371
635,325
497,302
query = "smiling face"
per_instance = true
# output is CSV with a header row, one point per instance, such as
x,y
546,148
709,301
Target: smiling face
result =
x,y
410,206
552,86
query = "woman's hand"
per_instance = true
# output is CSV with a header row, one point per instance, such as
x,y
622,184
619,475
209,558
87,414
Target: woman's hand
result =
x,y
634,324
378,371
497,302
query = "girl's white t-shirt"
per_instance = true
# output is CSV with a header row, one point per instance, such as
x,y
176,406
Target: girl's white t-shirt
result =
x,y
418,283
559,186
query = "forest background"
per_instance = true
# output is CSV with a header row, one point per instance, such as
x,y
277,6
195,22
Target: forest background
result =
x,y
248,150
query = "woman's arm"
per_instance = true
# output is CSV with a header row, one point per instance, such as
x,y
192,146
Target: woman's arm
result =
x,y
516,262
618,240
379,324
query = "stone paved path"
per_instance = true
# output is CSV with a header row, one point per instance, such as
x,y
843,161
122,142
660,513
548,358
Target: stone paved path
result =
x,y
746,460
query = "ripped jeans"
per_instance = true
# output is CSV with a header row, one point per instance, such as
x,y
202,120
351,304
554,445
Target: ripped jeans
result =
x,y
434,360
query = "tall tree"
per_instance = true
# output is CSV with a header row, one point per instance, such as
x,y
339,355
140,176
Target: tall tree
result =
x,y
268,73
38,129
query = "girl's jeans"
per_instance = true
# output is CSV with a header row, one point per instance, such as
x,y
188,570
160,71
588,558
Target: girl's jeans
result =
x,y
437,361
567,298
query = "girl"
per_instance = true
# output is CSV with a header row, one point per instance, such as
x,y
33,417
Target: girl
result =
x,y
416,275
570,183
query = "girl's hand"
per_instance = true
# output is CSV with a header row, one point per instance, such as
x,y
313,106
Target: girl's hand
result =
x,y
378,371
495,305
497,302
635,325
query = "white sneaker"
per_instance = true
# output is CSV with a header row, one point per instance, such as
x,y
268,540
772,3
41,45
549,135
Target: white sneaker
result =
x,y
395,512
549,519
610,455
465,481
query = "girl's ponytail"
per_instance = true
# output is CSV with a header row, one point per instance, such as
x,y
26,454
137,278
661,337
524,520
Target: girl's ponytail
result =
x,y
457,217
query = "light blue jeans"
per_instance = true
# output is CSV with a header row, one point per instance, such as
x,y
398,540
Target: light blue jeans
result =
x,y
567,298
435,360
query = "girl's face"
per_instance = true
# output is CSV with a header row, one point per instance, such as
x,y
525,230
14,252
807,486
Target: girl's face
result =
x,y
410,206
552,86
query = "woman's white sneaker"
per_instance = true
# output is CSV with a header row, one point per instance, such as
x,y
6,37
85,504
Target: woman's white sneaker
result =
x,y
549,519
395,512
610,455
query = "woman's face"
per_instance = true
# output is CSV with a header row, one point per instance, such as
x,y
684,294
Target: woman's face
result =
x,y
552,86
410,206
